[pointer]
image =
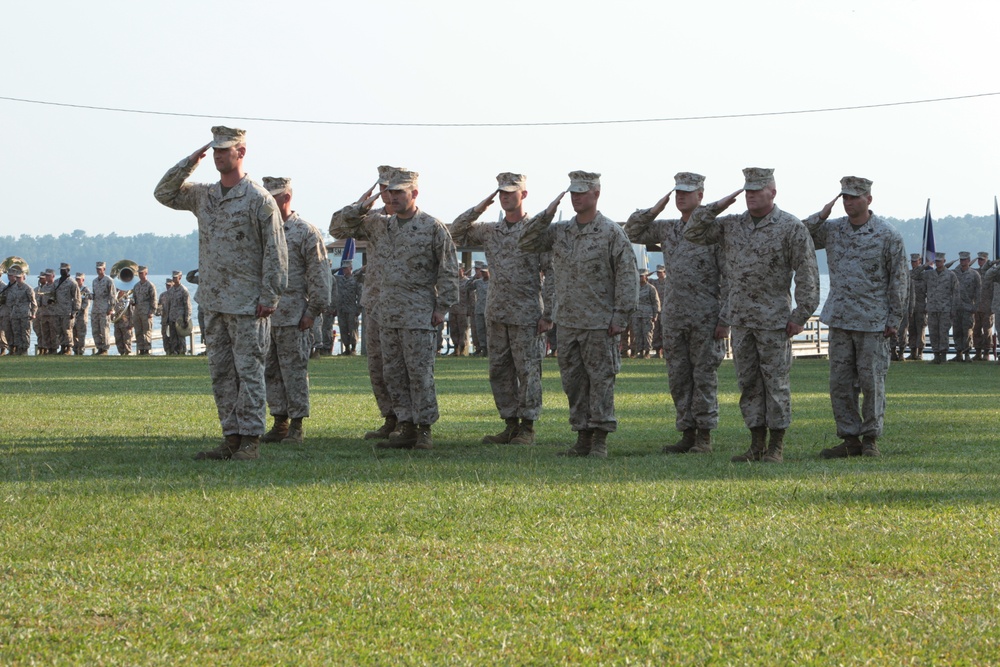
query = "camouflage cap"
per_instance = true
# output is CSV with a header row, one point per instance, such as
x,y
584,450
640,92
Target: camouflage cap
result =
x,y
915,257
347,262
508,182
385,172
169,282
81,275
277,185
939,257
143,269
102,265
965,254
687,181
982,254
403,179
485,267
643,272
191,275
660,267
584,181
855,186
15,270
757,178
478,265
50,272
176,275
64,265
225,137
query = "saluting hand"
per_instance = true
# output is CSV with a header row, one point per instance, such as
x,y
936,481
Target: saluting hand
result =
x,y
199,154
481,207
367,194
723,204
551,210
662,204
825,213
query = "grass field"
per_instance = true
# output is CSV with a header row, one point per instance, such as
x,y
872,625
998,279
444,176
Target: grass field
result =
x,y
118,548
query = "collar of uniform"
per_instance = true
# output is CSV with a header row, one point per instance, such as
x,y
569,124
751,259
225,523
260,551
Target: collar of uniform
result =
x,y
237,190
588,227
766,220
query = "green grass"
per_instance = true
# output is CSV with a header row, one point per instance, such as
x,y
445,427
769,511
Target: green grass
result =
x,y
117,548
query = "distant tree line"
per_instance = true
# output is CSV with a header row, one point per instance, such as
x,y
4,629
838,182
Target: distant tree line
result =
x,y
163,254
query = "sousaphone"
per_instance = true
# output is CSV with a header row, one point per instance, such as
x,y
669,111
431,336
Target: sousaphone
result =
x,y
125,273
11,261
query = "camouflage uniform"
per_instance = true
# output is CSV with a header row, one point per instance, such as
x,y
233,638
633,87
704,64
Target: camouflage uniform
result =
x,y
470,299
352,221
21,305
80,322
991,277
5,334
348,303
868,293
514,305
143,307
178,312
918,313
761,258
123,332
67,302
458,321
47,332
105,297
942,303
969,282
307,293
982,332
646,311
481,286
694,292
418,276
589,359
243,263
661,292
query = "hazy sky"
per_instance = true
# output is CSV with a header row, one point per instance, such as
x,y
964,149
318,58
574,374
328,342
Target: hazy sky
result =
x,y
512,62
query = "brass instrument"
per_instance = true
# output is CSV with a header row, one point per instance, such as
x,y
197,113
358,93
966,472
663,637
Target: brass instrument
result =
x,y
125,273
11,261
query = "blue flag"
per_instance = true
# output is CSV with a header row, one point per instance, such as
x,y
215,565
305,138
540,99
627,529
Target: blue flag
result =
x,y
996,230
928,240
348,254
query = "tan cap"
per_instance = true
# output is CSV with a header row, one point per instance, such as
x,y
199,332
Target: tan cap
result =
x,y
508,182
385,171
855,186
143,269
915,257
102,265
177,275
81,275
661,267
277,185
64,265
50,272
15,270
583,181
687,181
643,272
982,254
478,265
403,179
757,178
965,254
224,137
939,256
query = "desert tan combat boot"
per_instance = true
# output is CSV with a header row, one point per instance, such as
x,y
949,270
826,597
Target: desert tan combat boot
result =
x,y
295,431
851,446
503,437
758,443
582,445
683,445
599,444
384,430
278,431
405,440
868,447
249,448
702,442
223,452
424,440
774,446
525,433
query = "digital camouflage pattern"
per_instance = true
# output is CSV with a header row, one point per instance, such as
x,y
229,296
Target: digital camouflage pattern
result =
x,y
286,371
762,359
237,347
105,299
515,369
143,308
589,361
859,361
969,286
80,321
22,306
307,290
408,360
647,309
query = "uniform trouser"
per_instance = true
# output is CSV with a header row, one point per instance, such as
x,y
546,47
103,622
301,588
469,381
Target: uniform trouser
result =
x,y
348,322
902,334
80,333
100,330
286,372
201,324
174,343
961,330
693,356
484,341
48,335
19,333
237,347
326,342
642,334
589,360
458,329
123,336
4,332
516,353
143,326
938,325
917,325
376,372
474,332
763,360
64,331
408,369
657,334
982,331
859,361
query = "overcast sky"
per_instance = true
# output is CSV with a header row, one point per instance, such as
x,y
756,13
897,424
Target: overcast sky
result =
x,y
467,62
